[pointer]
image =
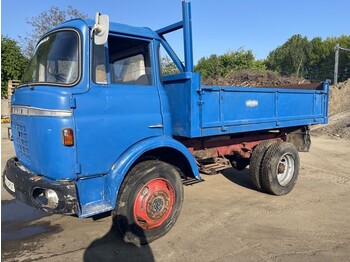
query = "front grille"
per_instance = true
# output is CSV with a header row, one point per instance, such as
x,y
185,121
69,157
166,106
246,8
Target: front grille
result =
x,y
20,138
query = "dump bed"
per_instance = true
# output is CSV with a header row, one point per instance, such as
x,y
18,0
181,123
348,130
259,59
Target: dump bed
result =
x,y
199,111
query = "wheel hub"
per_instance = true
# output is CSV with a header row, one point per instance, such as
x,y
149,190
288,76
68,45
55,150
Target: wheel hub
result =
x,y
281,168
157,205
154,203
285,169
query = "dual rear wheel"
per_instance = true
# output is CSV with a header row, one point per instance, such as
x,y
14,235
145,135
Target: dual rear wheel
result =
x,y
274,167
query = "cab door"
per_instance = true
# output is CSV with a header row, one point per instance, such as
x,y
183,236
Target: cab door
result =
x,y
122,106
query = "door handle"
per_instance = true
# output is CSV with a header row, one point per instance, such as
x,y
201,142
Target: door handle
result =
x,y
156,126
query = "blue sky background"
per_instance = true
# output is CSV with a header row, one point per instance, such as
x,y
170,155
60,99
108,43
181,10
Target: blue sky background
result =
x,y
218,25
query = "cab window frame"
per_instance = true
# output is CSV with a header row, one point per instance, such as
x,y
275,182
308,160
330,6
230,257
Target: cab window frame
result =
x,y
139,46
80,60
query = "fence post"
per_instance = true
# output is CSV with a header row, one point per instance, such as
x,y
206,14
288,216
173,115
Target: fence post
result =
x,y
11,86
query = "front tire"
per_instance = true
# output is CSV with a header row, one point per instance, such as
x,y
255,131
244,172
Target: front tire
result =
x,y
280,168
149,202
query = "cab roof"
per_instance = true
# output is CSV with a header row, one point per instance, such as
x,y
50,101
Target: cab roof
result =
x,y
113,28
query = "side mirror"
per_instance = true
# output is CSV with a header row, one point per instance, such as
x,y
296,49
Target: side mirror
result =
x,y
100,29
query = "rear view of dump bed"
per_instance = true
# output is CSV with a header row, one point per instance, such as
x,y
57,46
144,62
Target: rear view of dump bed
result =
x,y
215,110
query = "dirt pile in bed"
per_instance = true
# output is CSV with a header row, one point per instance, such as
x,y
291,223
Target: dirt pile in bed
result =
x,y
254,78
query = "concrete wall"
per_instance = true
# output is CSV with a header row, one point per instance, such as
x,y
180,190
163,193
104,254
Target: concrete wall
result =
x,y
5,107
4,112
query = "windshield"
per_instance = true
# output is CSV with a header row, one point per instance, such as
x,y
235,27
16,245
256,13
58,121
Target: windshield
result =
x,y
56,60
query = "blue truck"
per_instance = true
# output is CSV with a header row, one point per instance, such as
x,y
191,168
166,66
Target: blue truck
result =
x,y
99,127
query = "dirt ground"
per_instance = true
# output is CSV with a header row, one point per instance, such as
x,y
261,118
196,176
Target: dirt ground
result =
x,y
338,127
223,219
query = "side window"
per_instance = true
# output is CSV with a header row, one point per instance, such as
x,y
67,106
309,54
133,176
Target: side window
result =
x,y
129,70
167,65
129,61
99,65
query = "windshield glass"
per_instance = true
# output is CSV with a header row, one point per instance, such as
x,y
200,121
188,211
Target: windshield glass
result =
x,y
56,60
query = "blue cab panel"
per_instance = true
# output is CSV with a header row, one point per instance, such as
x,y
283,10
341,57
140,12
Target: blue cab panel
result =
x,y
37,119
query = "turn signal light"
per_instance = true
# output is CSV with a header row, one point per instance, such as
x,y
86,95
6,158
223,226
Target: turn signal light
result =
x,y
68,137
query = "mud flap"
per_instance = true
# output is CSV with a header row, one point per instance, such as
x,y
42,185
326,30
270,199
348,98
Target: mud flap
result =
x,y
300,139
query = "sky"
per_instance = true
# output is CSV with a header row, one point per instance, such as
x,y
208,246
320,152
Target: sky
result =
x,y
218,25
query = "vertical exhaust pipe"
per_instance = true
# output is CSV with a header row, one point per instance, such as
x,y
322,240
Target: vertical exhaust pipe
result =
x,y
187,31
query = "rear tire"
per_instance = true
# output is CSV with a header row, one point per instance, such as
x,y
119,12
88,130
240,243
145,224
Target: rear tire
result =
x,y
149,202
256,161
280,168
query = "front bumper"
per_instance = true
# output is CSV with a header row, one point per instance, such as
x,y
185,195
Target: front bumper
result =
x,y
28,188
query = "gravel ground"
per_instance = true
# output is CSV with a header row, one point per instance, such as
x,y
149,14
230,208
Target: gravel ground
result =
x,y
338,127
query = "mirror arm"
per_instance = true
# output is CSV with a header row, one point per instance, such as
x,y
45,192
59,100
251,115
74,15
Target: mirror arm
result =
x,y
97,27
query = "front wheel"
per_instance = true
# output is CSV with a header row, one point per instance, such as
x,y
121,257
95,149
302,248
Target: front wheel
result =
x,y
149,202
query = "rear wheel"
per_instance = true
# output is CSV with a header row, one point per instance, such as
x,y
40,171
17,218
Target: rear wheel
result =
x,y
149,202
256,161
280,168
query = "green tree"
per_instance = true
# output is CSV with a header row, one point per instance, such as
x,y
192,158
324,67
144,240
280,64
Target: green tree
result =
x,y
320,62
44,22
313,60
168,66
290,58
317,59
13,62
219,66
209,67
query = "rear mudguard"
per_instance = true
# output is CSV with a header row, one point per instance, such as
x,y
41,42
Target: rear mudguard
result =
x,y
120,168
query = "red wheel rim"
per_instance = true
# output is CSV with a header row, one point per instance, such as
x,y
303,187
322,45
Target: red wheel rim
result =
x,y
154,203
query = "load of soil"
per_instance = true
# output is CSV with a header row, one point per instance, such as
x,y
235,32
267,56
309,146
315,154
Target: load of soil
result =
x,y
254,78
